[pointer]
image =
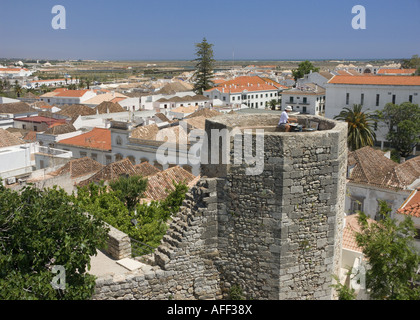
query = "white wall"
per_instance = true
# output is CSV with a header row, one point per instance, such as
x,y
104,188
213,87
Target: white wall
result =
x,y
336,96
371,196
16,160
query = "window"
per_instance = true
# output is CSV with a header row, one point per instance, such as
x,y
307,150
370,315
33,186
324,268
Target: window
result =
x,y
119,140
35,128
94,156
410,98
23,126
224,98
83,154
356,204
305,100
393,98
233,98
378,216
108,160
362,99
291,99
347,98
41,164
271,95
377,100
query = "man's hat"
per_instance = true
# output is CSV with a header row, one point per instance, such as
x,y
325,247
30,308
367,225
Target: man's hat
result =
x,y
288,108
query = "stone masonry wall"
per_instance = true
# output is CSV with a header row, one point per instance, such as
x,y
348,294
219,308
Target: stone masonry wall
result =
x,y
183,265
277,234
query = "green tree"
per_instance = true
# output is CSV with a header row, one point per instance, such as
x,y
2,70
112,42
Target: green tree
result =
x,y
204,67
304,67
393,261
129,189
146,224
18,89
42,229
412,63
403,123
344,292
360,131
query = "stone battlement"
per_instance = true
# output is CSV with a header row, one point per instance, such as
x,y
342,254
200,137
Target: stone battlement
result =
x,y
276,234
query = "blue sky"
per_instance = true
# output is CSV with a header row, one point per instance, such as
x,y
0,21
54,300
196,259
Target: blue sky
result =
x,y
168,29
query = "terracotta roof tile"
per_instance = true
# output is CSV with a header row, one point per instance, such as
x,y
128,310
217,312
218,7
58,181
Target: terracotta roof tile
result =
x,y
411,207
72,93
161,184
98,138
205,112
148,132
18,107
373,168
396,71
8,139
146,169
109,107
349,233
79,167
112,171
249,83
377,80
76,110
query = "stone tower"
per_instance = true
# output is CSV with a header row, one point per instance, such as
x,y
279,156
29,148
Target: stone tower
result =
x,y
279,232
276,232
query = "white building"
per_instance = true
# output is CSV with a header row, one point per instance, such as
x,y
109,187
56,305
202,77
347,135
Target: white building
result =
x,y
14,72
372,176
308,98
253,92
50,83
372,92
61,97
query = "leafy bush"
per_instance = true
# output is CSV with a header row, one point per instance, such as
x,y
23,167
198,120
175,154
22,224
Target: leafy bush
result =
x,y
40,229
150,218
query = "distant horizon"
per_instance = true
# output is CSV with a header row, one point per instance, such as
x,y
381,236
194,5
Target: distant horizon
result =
x,y
230,60
245,30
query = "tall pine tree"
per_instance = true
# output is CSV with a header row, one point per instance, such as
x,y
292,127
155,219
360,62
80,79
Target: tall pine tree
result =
x,y
204,68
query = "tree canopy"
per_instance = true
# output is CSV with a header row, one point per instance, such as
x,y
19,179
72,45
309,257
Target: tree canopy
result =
x,y
304,67
42,229
360,127
393,261
403,123
204,67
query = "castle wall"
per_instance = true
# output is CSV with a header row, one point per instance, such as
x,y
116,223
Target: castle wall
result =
x,y
276,234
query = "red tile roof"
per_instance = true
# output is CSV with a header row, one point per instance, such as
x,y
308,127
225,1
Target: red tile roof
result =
x,y
411,207
98,138
396,71
72,93
239,84
349,233
377,80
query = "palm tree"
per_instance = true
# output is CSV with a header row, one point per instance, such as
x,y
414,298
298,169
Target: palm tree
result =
x,y
18,89
360,132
